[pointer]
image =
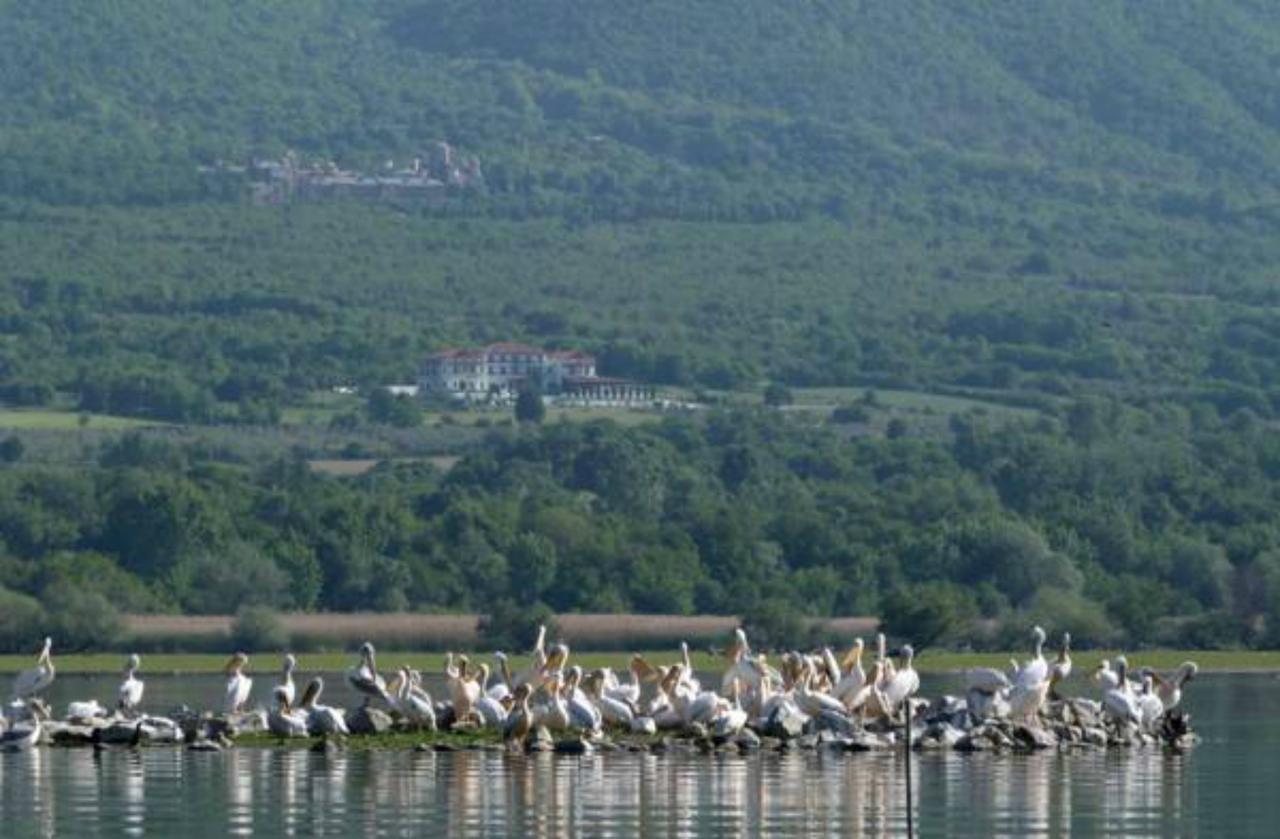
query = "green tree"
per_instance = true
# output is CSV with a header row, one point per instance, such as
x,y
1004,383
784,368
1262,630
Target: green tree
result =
x,y
387,408
530,407
11,449
777,394
929,613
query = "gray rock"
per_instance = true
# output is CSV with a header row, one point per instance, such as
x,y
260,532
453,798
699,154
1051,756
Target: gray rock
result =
x,y
1033,737
121,733
1094,736
65,734
368,720
573,747
747,740
830,721
785,723
868,741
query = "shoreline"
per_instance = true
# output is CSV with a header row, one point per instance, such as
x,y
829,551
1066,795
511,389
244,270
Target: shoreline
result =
x,y
1223,662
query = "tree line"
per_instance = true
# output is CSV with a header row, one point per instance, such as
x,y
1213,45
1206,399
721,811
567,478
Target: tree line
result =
x,y
1122,525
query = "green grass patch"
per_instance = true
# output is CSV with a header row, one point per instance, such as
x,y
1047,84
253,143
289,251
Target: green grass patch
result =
x,y
68,421
927,661
913,401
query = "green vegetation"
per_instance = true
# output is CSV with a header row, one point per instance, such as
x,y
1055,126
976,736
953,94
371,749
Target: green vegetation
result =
x,y
1003,274
931,661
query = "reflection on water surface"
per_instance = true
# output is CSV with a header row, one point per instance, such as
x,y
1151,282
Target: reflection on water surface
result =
x,y
1225,787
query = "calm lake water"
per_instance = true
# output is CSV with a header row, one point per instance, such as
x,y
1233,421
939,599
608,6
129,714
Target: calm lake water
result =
x,y
1227,786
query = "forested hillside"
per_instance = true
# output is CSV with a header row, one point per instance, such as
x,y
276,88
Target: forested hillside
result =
x,y
1072,208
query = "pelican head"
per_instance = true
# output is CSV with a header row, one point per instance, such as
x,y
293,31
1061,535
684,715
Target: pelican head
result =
x,y
236,663
1038,634
312,693
1066,641
1122,668
45,650
1188,670
854,655
366,651
290,663
557,657
133,663
907,654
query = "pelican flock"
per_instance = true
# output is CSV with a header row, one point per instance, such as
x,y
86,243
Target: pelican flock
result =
x,y
808,697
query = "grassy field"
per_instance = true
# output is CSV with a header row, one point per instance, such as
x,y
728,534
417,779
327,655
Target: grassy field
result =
x,y
1220,661
67,421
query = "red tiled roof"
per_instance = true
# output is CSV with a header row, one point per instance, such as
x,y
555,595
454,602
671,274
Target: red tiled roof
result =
x,y
571,355
513,348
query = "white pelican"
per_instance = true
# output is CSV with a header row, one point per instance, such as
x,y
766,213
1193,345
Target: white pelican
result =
x,y
283,720
501,688
415,702
1036,670
31,683
24,735
1062,664
286,678
874,703
583,715
1105,676
730,719
739,668
854,677
1026,700
463,691
904,684
321,719
882,655
86,710
129,694
626,692
491,711
1119,701
238,684
1149,704
535,673
814,702
687,676
612,710
1170,690
364,676
985,680
520,719
553,712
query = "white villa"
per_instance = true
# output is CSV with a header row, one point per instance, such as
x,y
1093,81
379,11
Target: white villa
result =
x,y
499,371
